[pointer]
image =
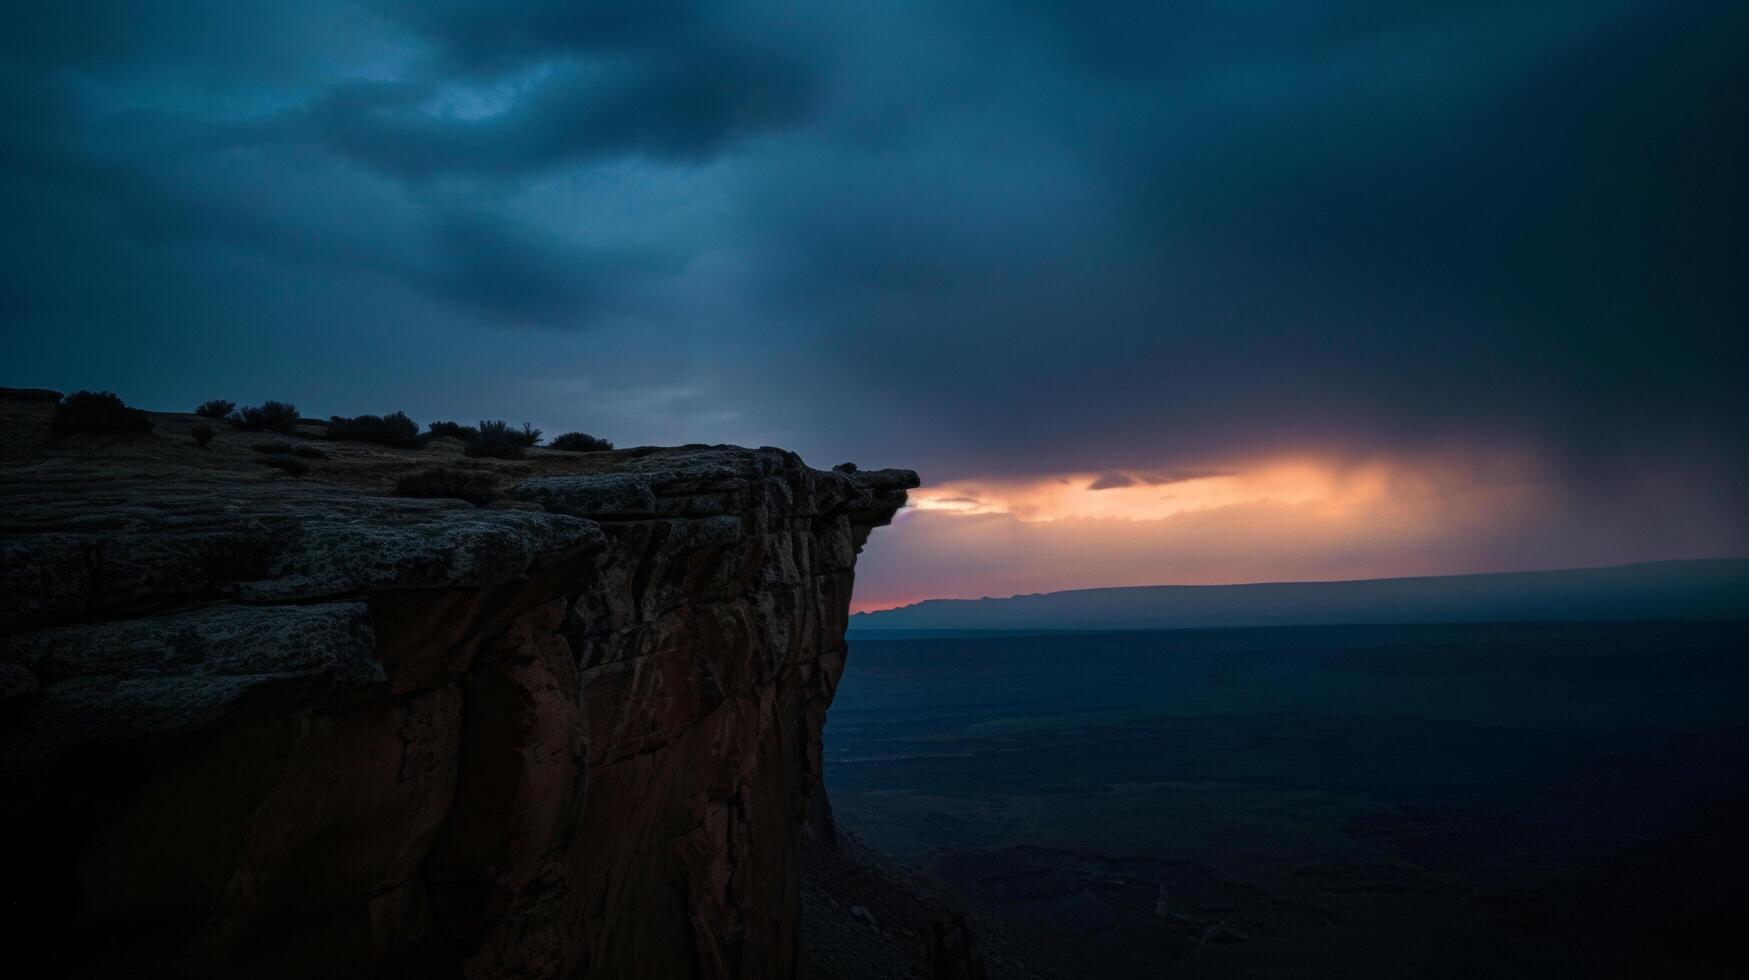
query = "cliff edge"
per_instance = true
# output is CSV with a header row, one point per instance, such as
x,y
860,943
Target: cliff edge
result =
x,y
252,722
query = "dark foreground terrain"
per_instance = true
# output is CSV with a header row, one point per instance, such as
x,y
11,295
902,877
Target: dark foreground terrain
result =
x,y
287,704
1452,801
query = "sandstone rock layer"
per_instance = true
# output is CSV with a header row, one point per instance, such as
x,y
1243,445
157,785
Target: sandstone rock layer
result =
x,y
252,724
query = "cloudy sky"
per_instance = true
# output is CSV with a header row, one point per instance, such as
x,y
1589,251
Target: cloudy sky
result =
x,y
1202,291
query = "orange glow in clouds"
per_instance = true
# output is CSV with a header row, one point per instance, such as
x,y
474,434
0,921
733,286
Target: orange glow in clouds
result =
x,y
1290,518
1141,495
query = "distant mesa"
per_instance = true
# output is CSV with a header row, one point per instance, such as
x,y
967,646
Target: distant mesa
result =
x,y
1714,589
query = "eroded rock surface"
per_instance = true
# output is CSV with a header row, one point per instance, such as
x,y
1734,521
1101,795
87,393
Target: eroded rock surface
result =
x,y
252,723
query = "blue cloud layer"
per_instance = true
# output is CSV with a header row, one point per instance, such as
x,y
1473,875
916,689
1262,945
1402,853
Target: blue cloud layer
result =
x,y
974,238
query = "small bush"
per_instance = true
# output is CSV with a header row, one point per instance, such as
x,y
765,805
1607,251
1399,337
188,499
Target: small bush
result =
x,y
844,468
98,411
477,487
218,408
267,417
386,430
580,442
202,434
453,430
296,467
499,441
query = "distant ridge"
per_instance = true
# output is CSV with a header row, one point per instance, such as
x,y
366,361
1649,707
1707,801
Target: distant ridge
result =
x,y
1711,589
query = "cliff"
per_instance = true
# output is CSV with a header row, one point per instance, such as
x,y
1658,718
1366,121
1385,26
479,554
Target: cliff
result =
x,y
257,723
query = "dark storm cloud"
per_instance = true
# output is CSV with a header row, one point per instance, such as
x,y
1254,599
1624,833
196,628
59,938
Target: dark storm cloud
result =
x,y
687,109
501,91
479,263
487,38
975,238
206,38
1180,476
1373,225
150,124
568,83
1111,481
151,180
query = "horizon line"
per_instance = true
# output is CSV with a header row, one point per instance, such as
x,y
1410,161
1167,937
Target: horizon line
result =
x,y
1267,582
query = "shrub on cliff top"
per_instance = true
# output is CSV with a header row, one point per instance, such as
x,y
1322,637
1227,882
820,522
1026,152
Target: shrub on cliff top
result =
x,y
454,430
477,487
217,408
579,442
267,417
98,411
499,441
386,430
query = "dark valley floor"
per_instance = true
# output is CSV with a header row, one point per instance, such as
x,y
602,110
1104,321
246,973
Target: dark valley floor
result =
x,y
1475,800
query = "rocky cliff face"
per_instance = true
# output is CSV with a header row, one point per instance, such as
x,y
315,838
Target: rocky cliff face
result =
x,y
252,723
